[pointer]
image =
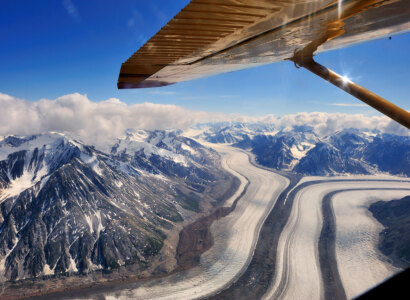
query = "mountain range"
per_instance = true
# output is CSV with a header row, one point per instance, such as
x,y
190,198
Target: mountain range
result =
x,y
299,149
68,207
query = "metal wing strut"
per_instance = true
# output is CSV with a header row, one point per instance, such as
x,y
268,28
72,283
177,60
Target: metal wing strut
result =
x,y
385,107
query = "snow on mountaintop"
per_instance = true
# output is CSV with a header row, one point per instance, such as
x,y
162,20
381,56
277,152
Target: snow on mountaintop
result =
x,y
48,141
161,143
54,149
29,160
301,149
229,132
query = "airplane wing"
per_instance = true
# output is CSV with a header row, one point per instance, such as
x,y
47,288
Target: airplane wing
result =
x,y
208,37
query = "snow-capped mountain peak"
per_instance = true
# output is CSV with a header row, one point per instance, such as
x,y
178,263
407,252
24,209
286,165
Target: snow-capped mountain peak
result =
x,y
166,144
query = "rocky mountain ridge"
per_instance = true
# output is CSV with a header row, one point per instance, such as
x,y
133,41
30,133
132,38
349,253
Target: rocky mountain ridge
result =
x,y
68,207
299,149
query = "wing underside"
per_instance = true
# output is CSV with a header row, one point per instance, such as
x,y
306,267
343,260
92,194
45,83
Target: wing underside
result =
x,y
208,37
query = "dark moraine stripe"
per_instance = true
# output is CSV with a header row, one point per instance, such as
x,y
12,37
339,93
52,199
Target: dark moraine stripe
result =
x,y
332,284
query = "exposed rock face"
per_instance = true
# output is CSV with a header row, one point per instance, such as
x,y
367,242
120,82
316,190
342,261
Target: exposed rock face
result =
x,y
283,150
326,159
67,207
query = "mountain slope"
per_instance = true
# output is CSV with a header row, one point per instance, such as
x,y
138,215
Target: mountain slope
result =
x,y
67,207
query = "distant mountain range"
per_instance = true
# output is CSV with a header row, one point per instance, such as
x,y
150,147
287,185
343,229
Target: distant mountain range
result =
x,y
68,207
301,150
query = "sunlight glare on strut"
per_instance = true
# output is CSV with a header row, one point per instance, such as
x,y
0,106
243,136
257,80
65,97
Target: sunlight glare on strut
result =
x,y
346,79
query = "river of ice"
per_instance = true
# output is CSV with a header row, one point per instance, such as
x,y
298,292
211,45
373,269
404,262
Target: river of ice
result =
x,y
297,267
226,161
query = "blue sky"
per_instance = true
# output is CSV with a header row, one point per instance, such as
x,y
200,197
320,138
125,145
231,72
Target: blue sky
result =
x,y
53,48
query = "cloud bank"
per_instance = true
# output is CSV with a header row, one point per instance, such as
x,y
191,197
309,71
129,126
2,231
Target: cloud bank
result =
x,y
327,123
95,122
91,121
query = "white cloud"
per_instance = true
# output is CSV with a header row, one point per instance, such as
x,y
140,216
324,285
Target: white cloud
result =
x,y
93,122
326,123
97,122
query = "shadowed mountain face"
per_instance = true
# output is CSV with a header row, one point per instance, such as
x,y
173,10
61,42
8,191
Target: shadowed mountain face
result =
x,y
301,150
67,207
394,240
